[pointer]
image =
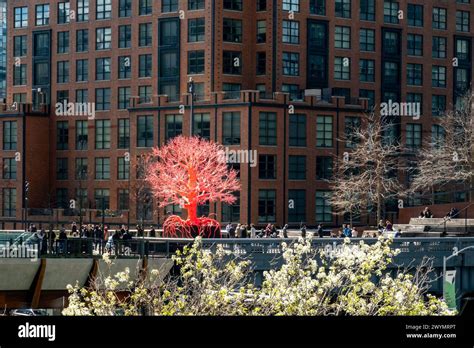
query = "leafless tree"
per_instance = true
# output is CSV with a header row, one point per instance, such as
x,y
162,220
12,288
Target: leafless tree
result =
x,y
448,156
366,175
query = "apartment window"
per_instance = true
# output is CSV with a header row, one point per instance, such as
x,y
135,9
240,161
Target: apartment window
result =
x,y
261,31
174,126
317,7
391,43
232,90
123,168
102,134
438,76
342,68
63,12
342,37
324,131
390,11
439,18
439,47
438,105
266,206
367,70
367,10
123,199
291,5
102,69
235,5
202,126
297,167
125,8
293,90
324,168
9,168
19,97
367,40
81,135
82,40
103,38
82,96
261,5
144,94
62,97
81,168
291,64
102,168
144,38
415,15
391,73
196,4
169,5
196,30
61,169
323,206
9,202
123,98
145,7
19,75
63,72
125,36
462,80
231,128
125,67
63,42
231,212
415,44
82,10
144,65
42,14
415,74
62,135
463,47
103,9
297,130
413,136
267,132
267,167
352,126
20,46
82,70
462,21
21,17
291,32
297,212
368,94
9,135
123,133
232,30
145,131
232,63
261,63
416,98
102,199
343,8
196,62
102,99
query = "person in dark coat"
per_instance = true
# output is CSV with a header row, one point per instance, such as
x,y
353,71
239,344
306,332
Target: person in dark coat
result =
x,y
320,231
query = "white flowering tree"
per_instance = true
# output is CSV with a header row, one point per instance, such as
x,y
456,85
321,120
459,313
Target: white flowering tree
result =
x,y
215,283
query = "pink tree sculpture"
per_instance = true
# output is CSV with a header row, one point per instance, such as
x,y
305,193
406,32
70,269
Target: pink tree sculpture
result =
x,y
191,172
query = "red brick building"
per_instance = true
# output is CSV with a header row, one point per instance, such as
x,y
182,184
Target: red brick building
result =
x,y
286,78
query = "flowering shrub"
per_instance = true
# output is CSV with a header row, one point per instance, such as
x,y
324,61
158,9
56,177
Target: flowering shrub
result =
x,y
355,281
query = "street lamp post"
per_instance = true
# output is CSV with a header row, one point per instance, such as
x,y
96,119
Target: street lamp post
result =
x,y
455,253
191,91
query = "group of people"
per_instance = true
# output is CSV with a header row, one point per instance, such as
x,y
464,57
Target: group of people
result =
x,y
269,231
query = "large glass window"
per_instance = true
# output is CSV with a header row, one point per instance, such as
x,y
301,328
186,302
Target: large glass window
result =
x,y
266,206
297,167
102,168
343,8
174,126
324,134
145,131
297,210
298,130
123,133
202,125
102,134
323,207
231,128
62,135
42,14
267,128
103,9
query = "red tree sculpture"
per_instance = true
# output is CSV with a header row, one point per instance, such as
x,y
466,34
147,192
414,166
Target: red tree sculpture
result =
x,y
191,172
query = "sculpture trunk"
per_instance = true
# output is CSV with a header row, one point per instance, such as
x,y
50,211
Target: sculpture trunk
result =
x,y
192,198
